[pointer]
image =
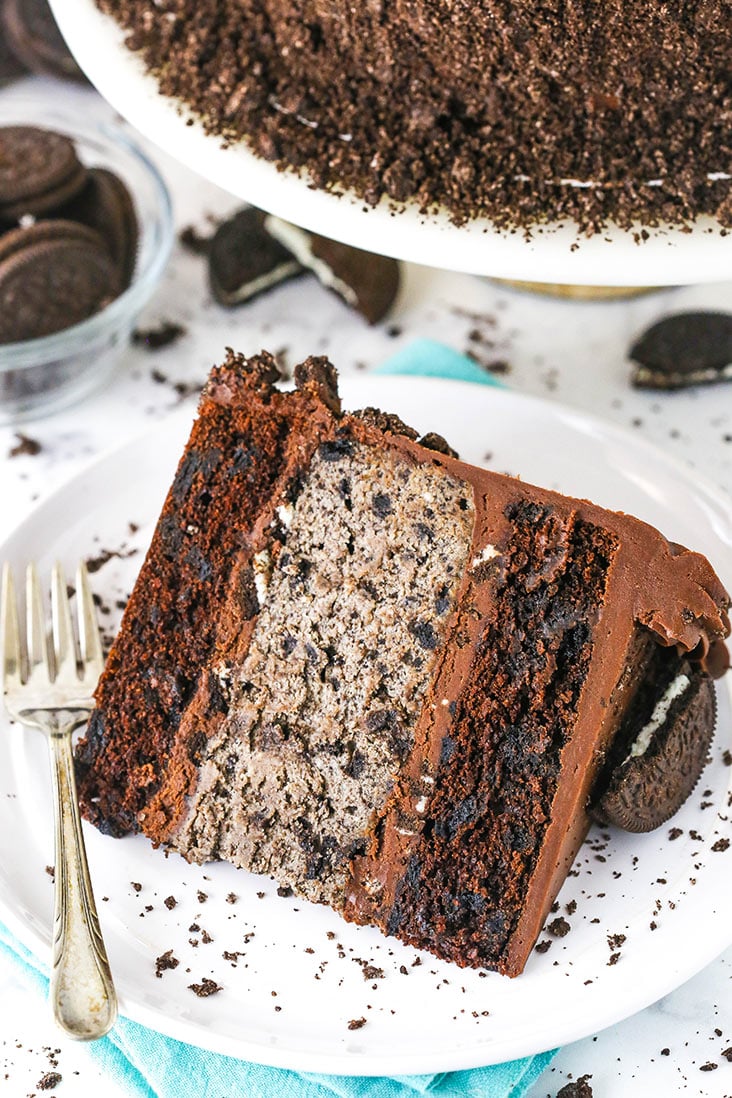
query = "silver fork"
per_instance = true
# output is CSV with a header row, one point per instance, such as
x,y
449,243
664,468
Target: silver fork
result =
x,y
49,687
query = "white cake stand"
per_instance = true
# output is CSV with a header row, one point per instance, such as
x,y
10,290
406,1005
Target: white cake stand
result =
x,y
555,255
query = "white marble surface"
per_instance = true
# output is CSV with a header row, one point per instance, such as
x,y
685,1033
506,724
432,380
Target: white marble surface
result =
x,y
566,351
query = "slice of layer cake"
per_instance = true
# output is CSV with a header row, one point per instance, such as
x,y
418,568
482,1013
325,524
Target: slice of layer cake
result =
x,y
397,683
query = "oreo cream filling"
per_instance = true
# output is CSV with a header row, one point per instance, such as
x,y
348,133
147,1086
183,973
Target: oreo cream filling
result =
x,y
643,740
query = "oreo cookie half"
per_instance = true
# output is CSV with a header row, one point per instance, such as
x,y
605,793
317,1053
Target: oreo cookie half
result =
x,y
39,171
366,282
34,38
53,275
665,760
682,350
244,260
106,206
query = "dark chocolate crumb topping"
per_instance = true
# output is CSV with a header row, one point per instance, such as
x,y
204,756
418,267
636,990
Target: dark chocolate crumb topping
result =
x,y
499,110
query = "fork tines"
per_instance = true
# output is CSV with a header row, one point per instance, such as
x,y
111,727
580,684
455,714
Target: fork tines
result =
x,y
53,659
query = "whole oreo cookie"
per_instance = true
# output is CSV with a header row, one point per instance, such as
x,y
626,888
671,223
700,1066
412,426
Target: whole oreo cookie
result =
x,y
39,171
106,206
666,758
33,36
684,349
53,275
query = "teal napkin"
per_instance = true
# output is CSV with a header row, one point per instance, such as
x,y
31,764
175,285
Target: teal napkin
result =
x,y
151,1065
427,358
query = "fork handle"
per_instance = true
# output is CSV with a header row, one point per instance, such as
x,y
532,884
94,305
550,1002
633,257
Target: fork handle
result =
x,y
82,993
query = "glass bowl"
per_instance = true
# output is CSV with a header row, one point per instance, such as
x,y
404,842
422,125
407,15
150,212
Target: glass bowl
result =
x,y
38,376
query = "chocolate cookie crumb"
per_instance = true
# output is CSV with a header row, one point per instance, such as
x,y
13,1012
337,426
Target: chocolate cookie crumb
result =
x,y
675,832
205,988
559,927
25,446
615,940
580,1088
727,1053
284,891
165,962
357,1023
154,339
720,845
727,757
136,886
232,898
614,958
93,564
543,946
709,1066
195,242
170,902
491,114
51,1080
371,972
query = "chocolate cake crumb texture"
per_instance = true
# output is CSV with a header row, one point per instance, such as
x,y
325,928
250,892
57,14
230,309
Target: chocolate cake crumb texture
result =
x,y
518,112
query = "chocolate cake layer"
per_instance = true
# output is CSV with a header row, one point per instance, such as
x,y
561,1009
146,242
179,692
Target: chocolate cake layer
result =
x,y
387,678
599,112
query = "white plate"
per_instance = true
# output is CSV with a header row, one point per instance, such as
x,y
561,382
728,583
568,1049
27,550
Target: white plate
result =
x,y
612,258
304,959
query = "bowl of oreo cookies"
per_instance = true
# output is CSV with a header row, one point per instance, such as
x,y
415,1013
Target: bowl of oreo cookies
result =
x,y
85,233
